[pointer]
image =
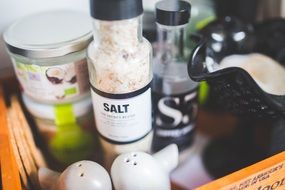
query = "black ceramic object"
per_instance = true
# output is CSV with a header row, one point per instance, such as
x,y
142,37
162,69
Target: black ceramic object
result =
x,y
235,90
271,38
226,36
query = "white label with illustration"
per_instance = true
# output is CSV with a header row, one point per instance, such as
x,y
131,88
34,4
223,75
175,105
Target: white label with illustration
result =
x,y
58,83
123,119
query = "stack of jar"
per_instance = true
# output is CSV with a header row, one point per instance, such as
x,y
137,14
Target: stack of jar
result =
x,y
120,69
48,52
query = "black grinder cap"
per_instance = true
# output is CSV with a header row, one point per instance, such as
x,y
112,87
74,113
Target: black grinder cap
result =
x,y
115,9
172,12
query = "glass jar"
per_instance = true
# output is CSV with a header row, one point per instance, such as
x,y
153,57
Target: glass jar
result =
x,y
175,105
67,130
48,52
120,71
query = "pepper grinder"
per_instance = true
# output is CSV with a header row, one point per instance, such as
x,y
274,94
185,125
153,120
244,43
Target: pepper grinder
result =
x,y
139,170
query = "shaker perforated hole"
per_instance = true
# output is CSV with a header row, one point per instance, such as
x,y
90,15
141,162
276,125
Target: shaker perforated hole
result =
x,y
135,163
127,160
79,165
134,155
82,174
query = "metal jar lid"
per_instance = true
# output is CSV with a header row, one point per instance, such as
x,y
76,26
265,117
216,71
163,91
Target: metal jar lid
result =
x,y
49,34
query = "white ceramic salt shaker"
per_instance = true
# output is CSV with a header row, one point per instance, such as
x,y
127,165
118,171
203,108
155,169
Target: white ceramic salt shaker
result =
x,y
141,171
85,175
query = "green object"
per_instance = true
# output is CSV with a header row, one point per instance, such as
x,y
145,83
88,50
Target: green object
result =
x,y
70,143
203,92
201,24
70,91
64,115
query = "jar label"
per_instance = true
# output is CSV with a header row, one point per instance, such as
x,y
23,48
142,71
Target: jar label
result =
x,y
123,118
59,83
174,119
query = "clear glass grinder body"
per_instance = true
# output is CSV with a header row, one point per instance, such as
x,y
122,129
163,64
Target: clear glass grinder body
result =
x,y
174,93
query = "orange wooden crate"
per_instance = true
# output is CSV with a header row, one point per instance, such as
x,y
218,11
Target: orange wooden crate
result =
x,y
265,175
19,156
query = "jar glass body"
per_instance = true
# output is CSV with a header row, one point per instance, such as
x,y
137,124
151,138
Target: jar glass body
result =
x,y
52,80
120,73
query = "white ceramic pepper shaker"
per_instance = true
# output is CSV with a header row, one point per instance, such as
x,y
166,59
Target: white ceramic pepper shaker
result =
x,y
119,62
84,174
141,171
